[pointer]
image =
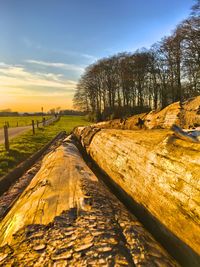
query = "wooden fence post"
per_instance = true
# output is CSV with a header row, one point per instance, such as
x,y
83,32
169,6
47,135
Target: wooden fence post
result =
x,y
33,126
37,124
6,137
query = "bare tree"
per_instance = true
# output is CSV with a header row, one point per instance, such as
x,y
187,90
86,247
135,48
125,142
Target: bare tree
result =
x,y
146,79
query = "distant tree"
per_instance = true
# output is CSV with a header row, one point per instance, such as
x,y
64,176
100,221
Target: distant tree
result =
x,y
52,111
57,110
6,110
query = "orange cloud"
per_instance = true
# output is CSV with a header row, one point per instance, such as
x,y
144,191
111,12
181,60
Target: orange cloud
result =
x,y
22,90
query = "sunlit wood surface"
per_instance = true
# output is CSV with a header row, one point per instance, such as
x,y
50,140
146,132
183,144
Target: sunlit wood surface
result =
x,y
160,172
66,217
186,115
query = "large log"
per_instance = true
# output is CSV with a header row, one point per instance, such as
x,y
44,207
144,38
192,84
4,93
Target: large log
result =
x,y
161,175
66,217
186,115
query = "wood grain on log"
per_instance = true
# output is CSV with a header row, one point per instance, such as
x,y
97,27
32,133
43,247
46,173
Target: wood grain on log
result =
x,y
161,173
185,115
66,217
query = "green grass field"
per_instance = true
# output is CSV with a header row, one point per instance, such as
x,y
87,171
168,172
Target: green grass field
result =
x,y
26,144
20,120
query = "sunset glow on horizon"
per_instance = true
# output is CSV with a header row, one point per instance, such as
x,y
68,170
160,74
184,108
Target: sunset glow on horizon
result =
x,y
46,45
24,91
34,103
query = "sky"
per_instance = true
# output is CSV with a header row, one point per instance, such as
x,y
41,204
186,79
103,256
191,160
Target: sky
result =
x,y
46,44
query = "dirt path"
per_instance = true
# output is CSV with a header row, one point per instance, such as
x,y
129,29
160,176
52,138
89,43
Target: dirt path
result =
x,y
13,132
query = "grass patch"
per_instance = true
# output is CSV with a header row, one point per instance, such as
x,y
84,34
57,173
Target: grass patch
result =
x,y
20,120
26,144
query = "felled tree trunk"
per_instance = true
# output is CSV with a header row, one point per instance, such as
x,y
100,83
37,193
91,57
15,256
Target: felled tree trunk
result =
x,y
66,217
161,175
186,115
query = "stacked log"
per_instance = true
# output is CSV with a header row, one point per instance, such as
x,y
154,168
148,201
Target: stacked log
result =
x,y
192,113
160,174
66,217
186,115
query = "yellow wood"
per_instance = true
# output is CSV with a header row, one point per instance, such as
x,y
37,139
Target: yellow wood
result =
x,y
158,171
55,188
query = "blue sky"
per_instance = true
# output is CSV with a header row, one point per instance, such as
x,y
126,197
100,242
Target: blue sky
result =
x,y
46,44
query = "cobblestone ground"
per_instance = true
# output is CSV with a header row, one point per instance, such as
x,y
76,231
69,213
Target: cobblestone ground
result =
x,y
103,234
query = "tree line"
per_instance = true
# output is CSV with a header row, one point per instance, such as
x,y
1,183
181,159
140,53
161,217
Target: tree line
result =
x,y
129,83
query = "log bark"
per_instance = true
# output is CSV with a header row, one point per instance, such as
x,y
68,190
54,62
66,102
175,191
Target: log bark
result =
x,y
186,115
66,217
161,175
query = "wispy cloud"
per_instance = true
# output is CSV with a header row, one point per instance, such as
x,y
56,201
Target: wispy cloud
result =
x,y
18,80
75,54
63,66
30,44
90,57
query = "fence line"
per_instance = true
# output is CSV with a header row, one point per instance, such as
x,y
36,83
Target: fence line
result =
x,y
6,137
44,123
16,123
